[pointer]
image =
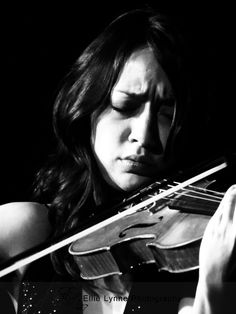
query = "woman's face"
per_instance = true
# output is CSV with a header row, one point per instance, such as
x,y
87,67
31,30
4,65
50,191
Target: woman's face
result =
x,y
129,137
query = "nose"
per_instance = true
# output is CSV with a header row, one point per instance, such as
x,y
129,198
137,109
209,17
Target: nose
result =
x,y
144,129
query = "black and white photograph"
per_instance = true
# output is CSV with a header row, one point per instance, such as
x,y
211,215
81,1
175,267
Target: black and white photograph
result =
x,y
118,158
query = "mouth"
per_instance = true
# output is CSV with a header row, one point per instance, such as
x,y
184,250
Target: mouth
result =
x,y
140,165
140,159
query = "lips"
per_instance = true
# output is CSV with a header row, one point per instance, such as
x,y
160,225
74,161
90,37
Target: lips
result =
x,y
140,159
137,164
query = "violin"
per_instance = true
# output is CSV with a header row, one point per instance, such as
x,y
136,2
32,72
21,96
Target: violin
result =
x,y
162,224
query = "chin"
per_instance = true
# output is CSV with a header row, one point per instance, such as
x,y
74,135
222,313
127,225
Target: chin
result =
x,y
131,182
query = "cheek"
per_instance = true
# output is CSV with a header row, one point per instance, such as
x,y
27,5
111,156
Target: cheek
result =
x,y
108,136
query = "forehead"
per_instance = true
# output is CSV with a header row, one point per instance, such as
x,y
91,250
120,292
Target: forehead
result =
x,y
143,74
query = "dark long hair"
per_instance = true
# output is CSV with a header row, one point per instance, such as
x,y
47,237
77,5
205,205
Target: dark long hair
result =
x,y
69,182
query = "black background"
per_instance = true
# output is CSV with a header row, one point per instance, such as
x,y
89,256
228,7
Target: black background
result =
x,y
40,43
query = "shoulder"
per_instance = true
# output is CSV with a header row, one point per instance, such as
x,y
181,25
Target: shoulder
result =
x,y
23,210
22,226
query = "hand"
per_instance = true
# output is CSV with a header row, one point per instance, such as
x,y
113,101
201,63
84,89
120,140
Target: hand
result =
x,y
217,252
217,261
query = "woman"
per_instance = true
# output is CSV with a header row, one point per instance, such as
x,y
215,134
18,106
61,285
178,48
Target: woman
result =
x,y
120,121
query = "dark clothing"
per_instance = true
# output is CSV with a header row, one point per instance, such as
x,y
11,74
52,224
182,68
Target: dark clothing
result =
x,y
44,292
160,292
6,304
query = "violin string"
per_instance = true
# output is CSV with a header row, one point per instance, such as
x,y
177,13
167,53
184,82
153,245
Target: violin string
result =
x,y
193,187
200,191
204,195
197,197
191,196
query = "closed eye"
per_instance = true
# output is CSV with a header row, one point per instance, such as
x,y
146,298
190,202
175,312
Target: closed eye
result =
x,y
126,106
125,102
124,109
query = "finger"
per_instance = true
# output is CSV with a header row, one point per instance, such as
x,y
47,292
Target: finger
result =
x,y
226,212
234,206
228,205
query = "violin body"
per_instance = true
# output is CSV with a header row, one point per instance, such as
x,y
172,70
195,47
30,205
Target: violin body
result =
x,y
158,233
163,239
